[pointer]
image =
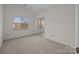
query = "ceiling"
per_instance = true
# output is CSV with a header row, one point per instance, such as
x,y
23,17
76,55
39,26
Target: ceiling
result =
x,y
37,8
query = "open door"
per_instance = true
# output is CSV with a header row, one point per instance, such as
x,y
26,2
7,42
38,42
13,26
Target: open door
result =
x,y
41,25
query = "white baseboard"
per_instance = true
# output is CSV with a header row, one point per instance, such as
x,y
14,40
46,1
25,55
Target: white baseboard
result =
x,y
62,43
21,36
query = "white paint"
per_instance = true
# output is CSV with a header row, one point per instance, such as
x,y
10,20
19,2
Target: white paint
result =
x,y
37,8
1,26
15,10
60,24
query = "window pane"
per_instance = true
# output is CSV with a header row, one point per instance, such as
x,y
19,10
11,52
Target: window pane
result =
x,y
21,22
17,19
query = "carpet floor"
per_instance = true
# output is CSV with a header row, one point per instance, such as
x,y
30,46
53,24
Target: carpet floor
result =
x,y
34,45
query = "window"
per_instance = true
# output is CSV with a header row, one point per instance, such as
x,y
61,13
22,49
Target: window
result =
x,y
21,22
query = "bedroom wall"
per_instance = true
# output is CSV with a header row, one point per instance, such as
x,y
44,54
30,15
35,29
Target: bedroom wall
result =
x,y
60,24
15,10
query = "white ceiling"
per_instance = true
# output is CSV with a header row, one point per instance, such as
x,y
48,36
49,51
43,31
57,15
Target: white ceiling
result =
x,y
37,8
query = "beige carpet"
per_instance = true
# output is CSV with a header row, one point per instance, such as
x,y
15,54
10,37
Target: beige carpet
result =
x,y
34,45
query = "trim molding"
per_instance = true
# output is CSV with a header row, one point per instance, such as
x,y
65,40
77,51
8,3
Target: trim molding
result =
x,y
62,43
23,36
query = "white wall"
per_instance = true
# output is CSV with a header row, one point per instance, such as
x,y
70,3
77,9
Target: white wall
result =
x,y
1,22
60,24
15,10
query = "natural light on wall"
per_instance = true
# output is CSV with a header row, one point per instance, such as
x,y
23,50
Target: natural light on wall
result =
x,y
20,22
